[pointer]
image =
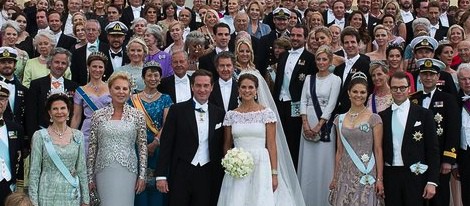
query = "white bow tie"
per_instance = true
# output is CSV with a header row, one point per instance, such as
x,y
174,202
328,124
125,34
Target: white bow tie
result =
x,y
181,81
294,52
225,83
339,21
136,9
465,98
435,27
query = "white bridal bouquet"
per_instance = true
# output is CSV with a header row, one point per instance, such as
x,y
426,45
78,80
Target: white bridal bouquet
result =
x,y
238,163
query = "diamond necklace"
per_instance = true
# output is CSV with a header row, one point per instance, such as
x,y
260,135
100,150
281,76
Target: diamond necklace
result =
x,y
60,134
149,96
353,116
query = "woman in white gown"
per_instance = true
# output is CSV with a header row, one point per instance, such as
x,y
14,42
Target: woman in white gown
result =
x,y
288,191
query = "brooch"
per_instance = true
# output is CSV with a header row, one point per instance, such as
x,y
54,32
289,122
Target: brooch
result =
x,y
301,77
365,158
438,118
414,101
301,62
364,128
161,56
417,136
12,135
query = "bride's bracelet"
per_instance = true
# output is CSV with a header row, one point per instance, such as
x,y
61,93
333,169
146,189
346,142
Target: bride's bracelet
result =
x,y
274,172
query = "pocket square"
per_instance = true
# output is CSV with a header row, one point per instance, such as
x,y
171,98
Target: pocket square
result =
x,y
417,123
217,126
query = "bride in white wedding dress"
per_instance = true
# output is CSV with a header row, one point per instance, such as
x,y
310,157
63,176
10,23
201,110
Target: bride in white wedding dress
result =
x,y
248,131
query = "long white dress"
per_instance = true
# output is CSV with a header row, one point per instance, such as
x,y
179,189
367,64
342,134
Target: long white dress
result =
x,y
288,192
317,159
249,133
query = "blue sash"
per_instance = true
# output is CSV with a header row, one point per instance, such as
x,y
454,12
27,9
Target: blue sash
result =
x,y
75,193
87,99
366,178
374,105
326,128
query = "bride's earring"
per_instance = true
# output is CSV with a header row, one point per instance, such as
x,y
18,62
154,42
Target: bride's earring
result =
x,y
256,97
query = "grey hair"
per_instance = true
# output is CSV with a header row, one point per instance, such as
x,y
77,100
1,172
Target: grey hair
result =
x,y
194,37
157,32
95,21
421,22
135,21
463,66
185,54
240,14
56,51
12,24
44,33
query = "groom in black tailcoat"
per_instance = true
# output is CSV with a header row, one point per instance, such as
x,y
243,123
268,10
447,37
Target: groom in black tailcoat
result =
x,y
410,148
190,167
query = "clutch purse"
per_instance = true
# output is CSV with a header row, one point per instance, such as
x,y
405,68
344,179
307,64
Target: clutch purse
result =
x,y
94,198
316,138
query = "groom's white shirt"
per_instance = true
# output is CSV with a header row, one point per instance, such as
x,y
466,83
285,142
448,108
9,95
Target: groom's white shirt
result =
x,y
202,154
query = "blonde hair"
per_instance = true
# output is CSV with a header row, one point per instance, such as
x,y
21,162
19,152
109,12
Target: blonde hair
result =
x,y
18,199
120,75
140,41
240,42
213,12
325,49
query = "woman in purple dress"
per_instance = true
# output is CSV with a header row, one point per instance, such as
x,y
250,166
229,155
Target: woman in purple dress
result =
x,y
92,96
154,40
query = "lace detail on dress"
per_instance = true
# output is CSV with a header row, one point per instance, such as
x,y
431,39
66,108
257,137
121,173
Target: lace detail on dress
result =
x,y
265,115
117,140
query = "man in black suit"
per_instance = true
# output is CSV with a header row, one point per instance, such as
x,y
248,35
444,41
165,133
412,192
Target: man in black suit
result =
x,y
410,148
117,57
266,50
133,11
225,91
55,25
364,7
446,20
421,11
43,87
79,57
438,31
293,67
463,158
355,62
340,15
190,159
240,22
222,39
73,6
177,85
11,146
447,119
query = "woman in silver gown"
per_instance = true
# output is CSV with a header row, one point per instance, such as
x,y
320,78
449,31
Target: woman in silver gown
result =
x,y
115,169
